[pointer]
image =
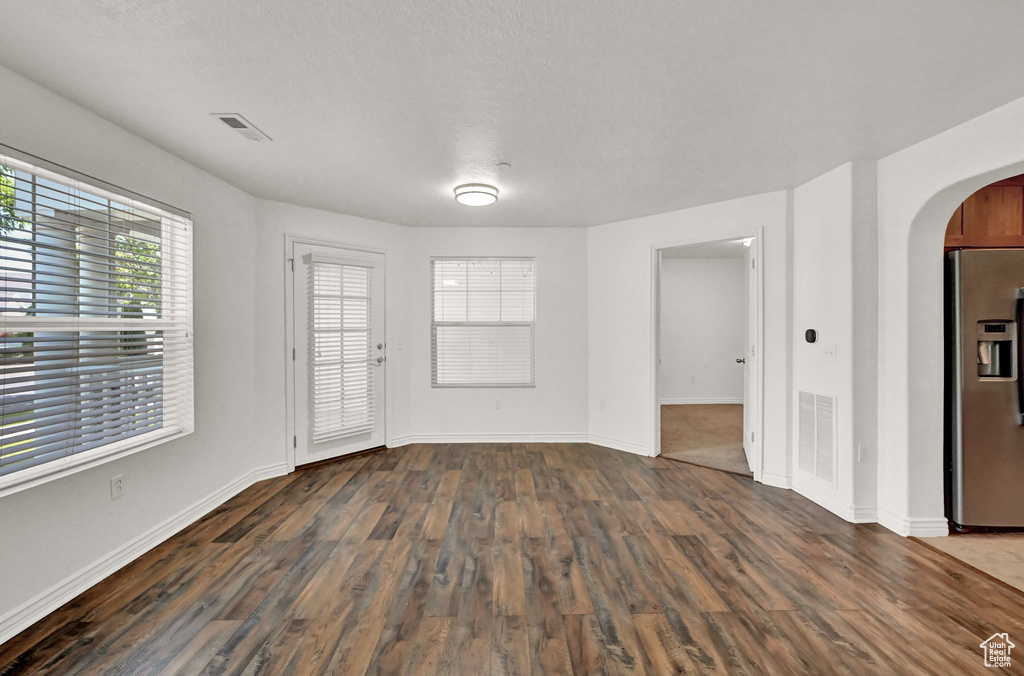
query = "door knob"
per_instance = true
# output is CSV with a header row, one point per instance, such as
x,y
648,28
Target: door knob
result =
x,y
741,360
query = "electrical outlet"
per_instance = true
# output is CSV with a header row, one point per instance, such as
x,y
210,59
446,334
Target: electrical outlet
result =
x,y
497,403
600,405
828,353
693,379
116,487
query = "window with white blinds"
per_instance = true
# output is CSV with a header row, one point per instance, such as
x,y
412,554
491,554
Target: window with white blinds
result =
x,y
95,322
340,367
483,328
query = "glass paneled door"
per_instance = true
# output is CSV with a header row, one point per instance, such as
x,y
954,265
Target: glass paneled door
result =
x,y
338,315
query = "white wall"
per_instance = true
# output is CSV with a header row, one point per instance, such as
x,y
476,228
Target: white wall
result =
x,y
833,295
864,270
274,220
703,330
622,401
554,410
918,189
872,235
55,531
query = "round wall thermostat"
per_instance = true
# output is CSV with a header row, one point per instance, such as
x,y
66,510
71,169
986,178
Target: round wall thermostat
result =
x,y
811,336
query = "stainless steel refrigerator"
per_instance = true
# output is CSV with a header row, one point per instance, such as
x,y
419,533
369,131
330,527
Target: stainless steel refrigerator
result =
x,y
985,391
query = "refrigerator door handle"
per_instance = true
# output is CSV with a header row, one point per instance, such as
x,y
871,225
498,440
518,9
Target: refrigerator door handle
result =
x,y
1020,356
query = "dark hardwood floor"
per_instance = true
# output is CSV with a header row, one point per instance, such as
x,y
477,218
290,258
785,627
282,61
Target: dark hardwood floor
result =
x,y
544,559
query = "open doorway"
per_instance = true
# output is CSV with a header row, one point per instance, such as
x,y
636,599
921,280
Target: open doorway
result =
x,y
984,402
707,370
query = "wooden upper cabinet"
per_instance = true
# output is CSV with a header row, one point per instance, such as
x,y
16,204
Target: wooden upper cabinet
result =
x,y
994,214
991,217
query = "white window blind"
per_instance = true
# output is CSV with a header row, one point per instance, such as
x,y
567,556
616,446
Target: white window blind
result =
x,y
95,321
341,371
483,328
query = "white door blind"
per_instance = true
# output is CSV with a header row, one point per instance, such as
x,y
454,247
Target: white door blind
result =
x,y
483,329
95,320
341,371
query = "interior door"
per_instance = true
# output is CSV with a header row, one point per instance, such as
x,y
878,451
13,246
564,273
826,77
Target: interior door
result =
x,y
750,371
339,351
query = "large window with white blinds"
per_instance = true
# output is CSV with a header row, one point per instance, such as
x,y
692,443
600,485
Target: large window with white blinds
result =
x,y
483,328
95,322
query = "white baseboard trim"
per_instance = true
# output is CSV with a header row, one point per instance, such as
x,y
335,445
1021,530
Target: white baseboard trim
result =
x,y
776,480
559,438
678,401
823,498
488,439
906,526
845,511
21,617
863,514
619,445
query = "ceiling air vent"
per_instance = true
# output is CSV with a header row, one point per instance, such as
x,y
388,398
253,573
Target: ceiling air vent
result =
x,y
242,126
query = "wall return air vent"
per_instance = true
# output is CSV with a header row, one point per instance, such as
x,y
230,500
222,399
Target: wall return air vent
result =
x,y
242,126
818,435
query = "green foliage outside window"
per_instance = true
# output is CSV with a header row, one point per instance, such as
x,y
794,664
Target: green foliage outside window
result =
x,y
8,216
137,275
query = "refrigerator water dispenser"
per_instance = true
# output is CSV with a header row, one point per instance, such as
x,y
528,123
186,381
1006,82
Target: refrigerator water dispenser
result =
x,y
997,350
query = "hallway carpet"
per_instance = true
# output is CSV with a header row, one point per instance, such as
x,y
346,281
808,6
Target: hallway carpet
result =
x,y
709,435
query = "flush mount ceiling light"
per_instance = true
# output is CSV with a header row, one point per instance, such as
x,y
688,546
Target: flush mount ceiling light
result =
x,y
476,194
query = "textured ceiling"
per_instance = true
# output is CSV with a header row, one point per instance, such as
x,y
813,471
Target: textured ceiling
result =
x,y
605,109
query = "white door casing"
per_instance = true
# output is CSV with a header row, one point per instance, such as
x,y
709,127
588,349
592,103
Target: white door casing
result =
x,y
753,414
338,350
751,371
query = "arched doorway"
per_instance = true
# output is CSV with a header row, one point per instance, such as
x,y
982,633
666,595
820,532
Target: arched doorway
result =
x,y
918,189
911,480
984,243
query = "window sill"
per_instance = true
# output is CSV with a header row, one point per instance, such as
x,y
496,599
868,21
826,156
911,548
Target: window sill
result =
x,y
58,469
